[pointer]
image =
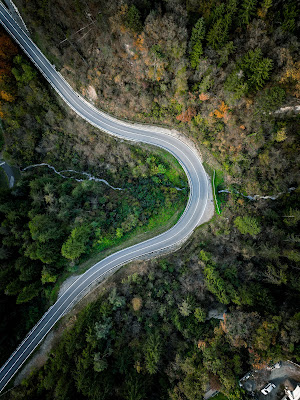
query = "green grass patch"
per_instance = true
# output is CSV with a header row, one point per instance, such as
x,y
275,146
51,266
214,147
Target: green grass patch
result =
x,y
220,396
218,184
217,179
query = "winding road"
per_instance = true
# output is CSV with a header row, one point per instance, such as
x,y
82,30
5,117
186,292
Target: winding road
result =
x,y
195,213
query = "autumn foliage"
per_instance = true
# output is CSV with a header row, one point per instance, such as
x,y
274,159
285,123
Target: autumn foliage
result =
x,y
203,96
6,96
7,51
201,344
136,303
221,112
258,363
186,116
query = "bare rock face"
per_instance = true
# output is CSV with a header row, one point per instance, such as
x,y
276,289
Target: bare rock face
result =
x,y
91,92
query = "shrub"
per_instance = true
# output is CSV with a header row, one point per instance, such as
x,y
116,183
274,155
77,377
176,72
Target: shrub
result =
x,y
76,243
136,303
247,225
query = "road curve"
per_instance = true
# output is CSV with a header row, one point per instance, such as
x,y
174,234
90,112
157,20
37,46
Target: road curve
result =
x,y
194,212
9,173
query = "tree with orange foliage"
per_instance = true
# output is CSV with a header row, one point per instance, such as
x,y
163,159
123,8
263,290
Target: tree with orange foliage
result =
x,y
201,344
203,96
257,362
222,111
7,96
186,116
1,112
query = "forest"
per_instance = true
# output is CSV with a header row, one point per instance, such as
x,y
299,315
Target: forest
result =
x,y
150,336
226,74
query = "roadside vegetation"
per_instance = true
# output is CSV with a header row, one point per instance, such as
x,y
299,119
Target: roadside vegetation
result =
x,y
218,185
50,226
220,72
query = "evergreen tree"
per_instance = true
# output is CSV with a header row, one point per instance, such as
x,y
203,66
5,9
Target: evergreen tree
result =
x,y
28,293
247,12
152,352
218,33
133,19
250,74
198,33
247,225
261,73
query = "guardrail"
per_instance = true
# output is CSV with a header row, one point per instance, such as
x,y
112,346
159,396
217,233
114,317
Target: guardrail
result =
x,y
11,4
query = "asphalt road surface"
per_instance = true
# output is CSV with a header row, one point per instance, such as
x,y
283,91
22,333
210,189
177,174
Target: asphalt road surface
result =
x,y
195,210
9,173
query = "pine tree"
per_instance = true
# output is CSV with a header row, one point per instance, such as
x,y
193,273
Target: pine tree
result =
x,y
248,10
198,33
218,33
250,74
261,73
247,225
290,14
152,352
133,19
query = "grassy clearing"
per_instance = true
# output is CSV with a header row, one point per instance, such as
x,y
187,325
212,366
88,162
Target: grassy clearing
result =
x,y
162,222
218,184
219,396
217,178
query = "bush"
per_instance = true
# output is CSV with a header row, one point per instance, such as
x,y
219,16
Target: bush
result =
x,y
76,243
247,225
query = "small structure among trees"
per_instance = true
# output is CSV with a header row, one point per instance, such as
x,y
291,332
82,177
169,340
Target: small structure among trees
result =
x,y
291,391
